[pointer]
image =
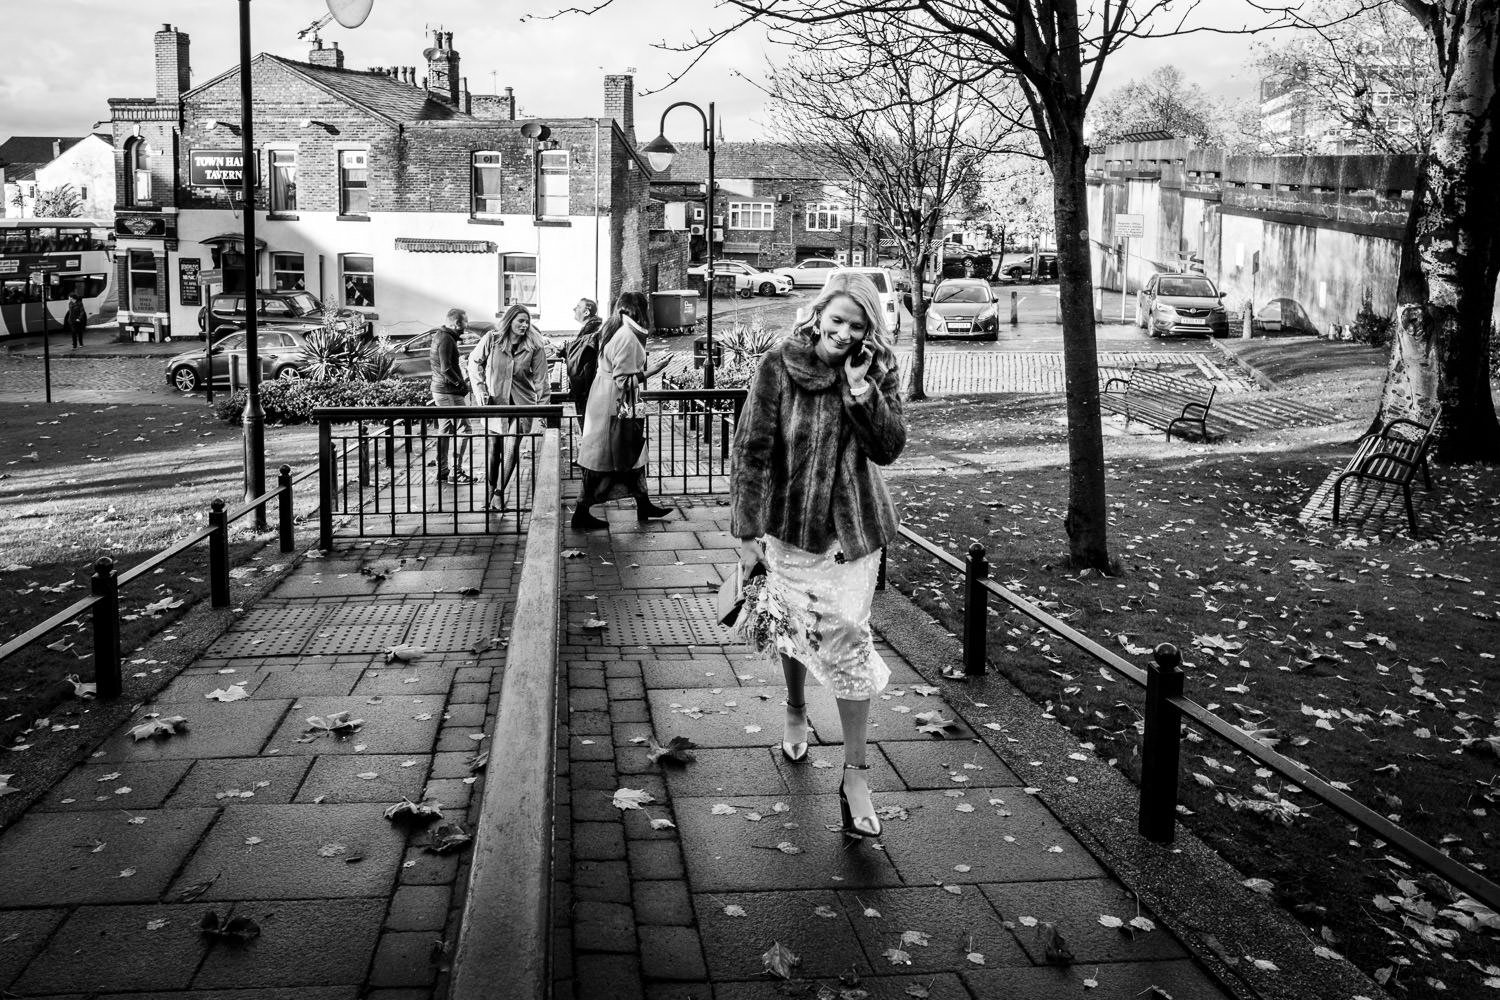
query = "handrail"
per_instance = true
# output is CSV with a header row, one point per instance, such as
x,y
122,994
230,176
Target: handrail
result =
x,y
37,631
1419,850
331,414
176,548
504,938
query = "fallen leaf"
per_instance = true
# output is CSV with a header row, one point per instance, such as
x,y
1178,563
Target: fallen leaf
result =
x,y
404,654
734,910
779,960
159,727
233,692
5,786
679,750
336,723
81,689
632,798
447,837
896,956
232,930
409,813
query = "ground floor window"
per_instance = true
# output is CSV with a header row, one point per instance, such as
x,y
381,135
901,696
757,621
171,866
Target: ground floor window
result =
x,y
359,279
287,272
144,291
518,281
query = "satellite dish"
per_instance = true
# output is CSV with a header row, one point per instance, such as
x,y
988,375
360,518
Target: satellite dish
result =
x,y
350,13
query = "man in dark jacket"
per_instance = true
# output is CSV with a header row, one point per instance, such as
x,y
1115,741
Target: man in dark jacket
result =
x,y
583,354
450,388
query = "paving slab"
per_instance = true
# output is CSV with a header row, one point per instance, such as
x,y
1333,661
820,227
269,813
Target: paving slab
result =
x,y
939,987
343,778
141,785
730,853
24,933
400,724
422,677
299,852
1127,981
688,674
56,859
334,681
684,577
321,942
214,729
1075,906
1018,840
735,771
729,717
949,764
733,945
190,687
263,780
954,925
286,993
141,947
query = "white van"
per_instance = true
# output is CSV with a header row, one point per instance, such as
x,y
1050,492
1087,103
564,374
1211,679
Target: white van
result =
x,y
885,283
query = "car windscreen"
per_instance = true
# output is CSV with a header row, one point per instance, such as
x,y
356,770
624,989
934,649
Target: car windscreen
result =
x,y
878,279
1187,286
961,293
303,304
233,342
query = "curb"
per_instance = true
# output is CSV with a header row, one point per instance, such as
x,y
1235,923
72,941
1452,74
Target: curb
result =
x,y
1192,890
1260,377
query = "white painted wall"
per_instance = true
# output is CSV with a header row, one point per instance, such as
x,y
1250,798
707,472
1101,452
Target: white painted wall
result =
x,y
89,164
414,290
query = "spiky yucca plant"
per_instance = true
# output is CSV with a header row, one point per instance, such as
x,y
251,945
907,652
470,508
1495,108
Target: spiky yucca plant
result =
x,y
338,357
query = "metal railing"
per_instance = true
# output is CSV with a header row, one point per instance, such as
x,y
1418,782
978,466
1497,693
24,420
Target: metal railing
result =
x,y
1165,709
689,439
374,464
103,603
504,939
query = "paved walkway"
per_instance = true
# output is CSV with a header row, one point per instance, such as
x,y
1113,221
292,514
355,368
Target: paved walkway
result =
x,y
254,810
733,855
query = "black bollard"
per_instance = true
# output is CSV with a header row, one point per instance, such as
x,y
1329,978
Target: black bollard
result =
x,y
976,610
1161,746
106,586
284,511
218,554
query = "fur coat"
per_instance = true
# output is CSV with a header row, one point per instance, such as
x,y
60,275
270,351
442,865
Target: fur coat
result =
x,y
807,451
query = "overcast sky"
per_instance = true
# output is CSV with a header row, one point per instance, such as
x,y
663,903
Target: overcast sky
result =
x,y
58,80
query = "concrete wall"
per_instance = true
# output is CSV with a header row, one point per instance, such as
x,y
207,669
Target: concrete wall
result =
x,y
89,166
1307,239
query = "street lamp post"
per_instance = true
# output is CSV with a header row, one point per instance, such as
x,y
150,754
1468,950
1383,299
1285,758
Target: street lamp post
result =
x,y
254,422
659,153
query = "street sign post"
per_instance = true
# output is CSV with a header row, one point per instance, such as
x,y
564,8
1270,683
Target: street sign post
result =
x,y
1127,228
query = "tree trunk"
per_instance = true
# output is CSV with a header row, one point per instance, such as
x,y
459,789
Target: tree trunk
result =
x,y
1086,522
919,331
1440,343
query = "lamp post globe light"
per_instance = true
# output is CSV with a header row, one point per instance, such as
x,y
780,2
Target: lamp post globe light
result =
x,y
659,154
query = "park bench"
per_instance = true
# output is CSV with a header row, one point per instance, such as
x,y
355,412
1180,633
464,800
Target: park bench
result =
x,y
1387,455
1160,400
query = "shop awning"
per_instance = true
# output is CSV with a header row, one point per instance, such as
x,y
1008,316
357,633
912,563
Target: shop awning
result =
x,y
414,245
239,238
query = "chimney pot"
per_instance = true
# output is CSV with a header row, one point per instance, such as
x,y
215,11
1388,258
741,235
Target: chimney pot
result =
x,y
166,27
56,148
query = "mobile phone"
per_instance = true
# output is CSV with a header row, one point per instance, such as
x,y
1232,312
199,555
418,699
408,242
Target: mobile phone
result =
x,y
861,356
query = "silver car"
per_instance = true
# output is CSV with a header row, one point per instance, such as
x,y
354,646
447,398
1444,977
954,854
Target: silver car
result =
x,y
1181,303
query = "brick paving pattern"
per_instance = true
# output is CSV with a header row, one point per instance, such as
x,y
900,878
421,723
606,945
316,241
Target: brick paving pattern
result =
x,y
250,812
687,909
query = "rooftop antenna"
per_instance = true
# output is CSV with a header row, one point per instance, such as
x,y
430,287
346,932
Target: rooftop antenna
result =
x,y
312,29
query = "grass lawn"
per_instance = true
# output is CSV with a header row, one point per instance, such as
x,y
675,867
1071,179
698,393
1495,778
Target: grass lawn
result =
x,y
78,483
1368,658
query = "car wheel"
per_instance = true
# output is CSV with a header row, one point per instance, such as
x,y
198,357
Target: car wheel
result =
x,y
767,288
185,378
1140,317
288,374
744,293
993,337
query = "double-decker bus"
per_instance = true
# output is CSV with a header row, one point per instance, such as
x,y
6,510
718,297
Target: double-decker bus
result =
x,y
43,261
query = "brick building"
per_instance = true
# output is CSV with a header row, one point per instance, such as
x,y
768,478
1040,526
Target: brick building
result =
x,y
775,206
395,193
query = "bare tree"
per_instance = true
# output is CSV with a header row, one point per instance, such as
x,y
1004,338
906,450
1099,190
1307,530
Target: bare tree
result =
x,y
862,102
1446,296
1363,74
1164,100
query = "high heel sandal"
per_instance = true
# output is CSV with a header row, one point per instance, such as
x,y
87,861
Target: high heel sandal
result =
x,y
856,827
795,752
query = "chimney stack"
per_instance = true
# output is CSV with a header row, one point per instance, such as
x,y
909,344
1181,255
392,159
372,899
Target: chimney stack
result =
x,y
56,148
332,58
619,102
442,69
173,75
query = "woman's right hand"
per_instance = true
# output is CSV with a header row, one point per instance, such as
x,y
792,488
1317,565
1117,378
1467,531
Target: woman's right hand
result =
x,y
752,554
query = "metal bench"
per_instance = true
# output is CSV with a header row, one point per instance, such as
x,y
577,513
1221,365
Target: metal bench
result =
x,y
1159,400
1388,456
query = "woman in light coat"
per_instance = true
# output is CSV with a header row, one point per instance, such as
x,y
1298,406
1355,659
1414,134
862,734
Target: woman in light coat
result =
x,y
622,373
508,367
823,413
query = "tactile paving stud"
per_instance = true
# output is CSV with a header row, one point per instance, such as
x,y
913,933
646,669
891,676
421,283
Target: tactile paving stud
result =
x,y
660,621
456,624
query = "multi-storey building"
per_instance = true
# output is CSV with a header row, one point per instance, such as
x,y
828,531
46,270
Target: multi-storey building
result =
x,y
392,194
775,206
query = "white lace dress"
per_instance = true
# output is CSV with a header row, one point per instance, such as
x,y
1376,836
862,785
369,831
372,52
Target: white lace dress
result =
x,y
815,608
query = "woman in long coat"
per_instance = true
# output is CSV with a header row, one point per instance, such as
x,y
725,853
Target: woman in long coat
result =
x,y
622,373
823,413
508,367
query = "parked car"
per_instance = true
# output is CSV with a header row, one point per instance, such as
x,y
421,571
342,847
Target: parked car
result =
x,y
227,309
809,273
748,280
889,287
279,350
964,307
960,261
410,357
1181,303
1017,270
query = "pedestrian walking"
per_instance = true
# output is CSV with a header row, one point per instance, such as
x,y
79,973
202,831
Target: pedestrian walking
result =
x,y
582,353
612,402
508,368
822,414
76,319
450,389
